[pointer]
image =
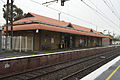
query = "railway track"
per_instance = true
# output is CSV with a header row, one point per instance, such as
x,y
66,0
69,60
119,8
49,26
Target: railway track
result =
x,y
81,73
61,71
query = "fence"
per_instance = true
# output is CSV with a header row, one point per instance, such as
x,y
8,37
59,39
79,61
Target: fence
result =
x,y
19,43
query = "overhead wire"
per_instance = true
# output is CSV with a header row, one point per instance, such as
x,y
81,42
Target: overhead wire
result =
x,y
99,13
102,15
2,1
64,13
113,8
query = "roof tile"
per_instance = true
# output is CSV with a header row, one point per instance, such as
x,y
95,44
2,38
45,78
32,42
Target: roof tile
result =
x,y
52,28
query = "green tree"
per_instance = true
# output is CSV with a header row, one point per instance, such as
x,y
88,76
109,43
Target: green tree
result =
x,y
17,12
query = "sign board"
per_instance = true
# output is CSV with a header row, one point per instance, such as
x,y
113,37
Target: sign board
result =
x,y
0,27
52,40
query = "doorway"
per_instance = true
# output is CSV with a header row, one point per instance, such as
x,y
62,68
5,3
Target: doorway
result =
x,y
69,41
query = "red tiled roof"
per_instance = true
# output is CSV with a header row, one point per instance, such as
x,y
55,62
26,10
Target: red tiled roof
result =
x,y
43,19
52,28
52,21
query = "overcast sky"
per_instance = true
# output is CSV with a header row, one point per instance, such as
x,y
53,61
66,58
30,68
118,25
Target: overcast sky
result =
x,y
82,14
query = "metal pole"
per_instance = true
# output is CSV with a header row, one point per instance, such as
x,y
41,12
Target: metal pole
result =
x,y
59,15
20,43
0,38
7,24
11,24
26,47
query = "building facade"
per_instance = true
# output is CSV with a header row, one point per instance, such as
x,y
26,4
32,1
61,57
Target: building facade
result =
x,y
48,33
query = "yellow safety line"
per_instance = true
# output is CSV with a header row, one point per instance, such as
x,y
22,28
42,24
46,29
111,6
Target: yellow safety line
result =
x,y
112,73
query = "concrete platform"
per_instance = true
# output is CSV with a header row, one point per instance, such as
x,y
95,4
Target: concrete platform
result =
x,y
109,71
112,73
8,54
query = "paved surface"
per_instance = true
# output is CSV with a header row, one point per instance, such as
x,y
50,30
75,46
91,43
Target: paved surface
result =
x,y
8,54
12,54
4,54
112,73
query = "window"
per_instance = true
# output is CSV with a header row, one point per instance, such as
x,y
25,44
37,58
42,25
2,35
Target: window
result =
x,y
70,25
91,30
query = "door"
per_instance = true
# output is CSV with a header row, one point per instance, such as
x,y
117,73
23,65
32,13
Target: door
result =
x,y
36,42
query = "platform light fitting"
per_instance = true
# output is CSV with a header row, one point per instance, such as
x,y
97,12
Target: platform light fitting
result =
x,y
37,30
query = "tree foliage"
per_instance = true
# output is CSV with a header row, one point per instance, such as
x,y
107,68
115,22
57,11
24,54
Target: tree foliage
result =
x,y
17,12
113,38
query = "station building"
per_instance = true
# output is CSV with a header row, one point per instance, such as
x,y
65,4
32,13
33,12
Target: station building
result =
x,y
51,34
